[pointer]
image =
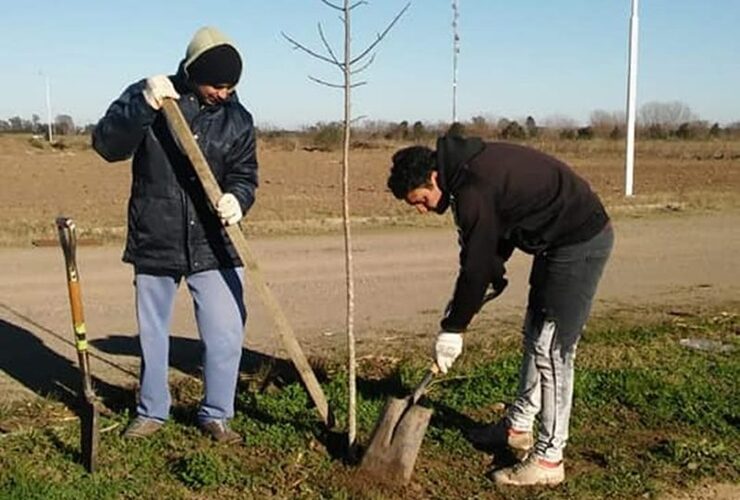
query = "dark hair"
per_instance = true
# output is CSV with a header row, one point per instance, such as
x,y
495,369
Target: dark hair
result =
x,y
411,169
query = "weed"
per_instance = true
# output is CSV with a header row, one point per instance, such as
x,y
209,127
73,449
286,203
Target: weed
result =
x,y
202,469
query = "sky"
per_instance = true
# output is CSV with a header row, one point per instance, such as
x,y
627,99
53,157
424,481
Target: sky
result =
x,y
540,58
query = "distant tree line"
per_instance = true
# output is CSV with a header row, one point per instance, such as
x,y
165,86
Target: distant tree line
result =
x,y
62,125
655,120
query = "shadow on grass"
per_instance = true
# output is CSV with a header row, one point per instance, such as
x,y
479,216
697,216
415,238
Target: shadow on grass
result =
x,y
25,358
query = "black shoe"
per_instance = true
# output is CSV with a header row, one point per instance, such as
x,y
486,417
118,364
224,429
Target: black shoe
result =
x,y
220,432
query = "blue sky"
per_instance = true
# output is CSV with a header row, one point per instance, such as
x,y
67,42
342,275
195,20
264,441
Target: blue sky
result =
x,y
543,58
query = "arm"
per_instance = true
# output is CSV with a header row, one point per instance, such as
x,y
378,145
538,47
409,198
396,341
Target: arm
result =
x,y
481,262
119,133
241,178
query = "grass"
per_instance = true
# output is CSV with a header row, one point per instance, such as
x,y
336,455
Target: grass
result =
x,y
650,417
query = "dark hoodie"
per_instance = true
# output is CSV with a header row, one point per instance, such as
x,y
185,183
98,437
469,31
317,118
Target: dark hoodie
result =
x,y
506,196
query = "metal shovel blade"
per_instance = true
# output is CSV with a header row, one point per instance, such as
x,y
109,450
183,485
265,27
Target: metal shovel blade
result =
x,y
397,437
89,436
396,441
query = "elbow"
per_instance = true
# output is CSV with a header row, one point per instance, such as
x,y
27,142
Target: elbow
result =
x,y
108,153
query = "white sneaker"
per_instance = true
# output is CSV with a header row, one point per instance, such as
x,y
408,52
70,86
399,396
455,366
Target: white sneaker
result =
x,y
530,473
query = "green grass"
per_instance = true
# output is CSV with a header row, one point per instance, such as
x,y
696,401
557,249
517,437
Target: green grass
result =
x,y
650,416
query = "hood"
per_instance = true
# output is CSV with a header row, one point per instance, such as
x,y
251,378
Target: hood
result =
x,y
453,154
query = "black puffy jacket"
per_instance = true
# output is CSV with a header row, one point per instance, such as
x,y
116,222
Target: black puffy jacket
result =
x,y
171,227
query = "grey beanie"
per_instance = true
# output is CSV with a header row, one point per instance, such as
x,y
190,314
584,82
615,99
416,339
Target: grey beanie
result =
x,y
212,58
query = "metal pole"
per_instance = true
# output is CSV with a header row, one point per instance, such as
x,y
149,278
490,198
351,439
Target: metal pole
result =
x,y
631,95
48,108
455,51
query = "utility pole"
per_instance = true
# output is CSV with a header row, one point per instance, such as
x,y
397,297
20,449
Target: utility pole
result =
x,y
455,51
631,97
48,109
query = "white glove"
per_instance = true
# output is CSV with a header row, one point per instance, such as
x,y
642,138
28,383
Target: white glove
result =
x,y
448,347
157,89
228,209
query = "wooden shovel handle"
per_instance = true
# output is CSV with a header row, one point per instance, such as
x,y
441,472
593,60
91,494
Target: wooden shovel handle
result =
x,y
68,241
422,387
184,137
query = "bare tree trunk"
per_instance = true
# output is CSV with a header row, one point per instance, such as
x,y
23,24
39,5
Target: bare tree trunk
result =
x,y
352,413
348,66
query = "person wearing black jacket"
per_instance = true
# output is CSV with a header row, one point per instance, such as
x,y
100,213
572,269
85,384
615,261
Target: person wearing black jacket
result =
x,y
173,235
505,197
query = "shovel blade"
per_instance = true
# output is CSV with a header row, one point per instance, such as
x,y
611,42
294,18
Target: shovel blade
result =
x,y
89,436
395,442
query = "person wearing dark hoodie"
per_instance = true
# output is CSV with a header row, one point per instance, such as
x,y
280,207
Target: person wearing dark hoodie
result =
x,y
505,197
173,235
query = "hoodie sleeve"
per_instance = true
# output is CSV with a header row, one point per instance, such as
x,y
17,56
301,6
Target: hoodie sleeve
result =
x,y
241,178
119,133
481,260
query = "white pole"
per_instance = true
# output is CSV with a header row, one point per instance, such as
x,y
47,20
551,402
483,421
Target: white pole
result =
x,y
455,51
48,108
631,94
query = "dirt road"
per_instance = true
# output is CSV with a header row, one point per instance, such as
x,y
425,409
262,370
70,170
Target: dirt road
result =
x,y
403,280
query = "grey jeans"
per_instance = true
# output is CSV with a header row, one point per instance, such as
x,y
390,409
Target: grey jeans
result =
x,y
563,282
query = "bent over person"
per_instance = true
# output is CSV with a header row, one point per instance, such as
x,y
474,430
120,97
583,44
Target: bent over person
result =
x,y
173,235
506,196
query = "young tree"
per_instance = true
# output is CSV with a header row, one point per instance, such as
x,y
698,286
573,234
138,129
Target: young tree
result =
x,y
349,65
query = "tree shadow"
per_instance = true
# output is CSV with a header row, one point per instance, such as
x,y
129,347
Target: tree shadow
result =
x,y
25,358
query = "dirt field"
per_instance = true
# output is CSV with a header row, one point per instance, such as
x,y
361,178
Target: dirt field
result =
x,y
677,246
301,189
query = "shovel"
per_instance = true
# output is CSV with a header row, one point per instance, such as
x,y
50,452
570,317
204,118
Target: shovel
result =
x,y
397,437
89,434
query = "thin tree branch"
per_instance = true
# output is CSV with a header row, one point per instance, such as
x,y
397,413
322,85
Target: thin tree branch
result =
x,y
305,49
334,85
328,47
337,7
380,36
324,82
364,66
357,4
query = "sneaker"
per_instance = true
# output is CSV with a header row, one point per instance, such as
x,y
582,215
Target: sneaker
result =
x,y
501,435
142,427
220,431
530,473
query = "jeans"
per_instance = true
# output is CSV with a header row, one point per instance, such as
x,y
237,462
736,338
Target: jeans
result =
x,y
563,282
220,314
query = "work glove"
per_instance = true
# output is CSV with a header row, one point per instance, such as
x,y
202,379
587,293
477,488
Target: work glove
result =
x,y
228,209
447,348
157,89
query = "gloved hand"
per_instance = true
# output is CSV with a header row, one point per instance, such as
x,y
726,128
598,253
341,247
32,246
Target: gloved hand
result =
x,y
228,209
157,89
448,347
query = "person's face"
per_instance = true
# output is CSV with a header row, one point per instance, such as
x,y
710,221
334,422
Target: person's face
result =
x,y
215,94
425,198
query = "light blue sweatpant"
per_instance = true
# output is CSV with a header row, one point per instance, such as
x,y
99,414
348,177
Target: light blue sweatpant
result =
x,y
220,314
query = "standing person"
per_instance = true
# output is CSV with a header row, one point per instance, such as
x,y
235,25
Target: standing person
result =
x,y
173,235
505,196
